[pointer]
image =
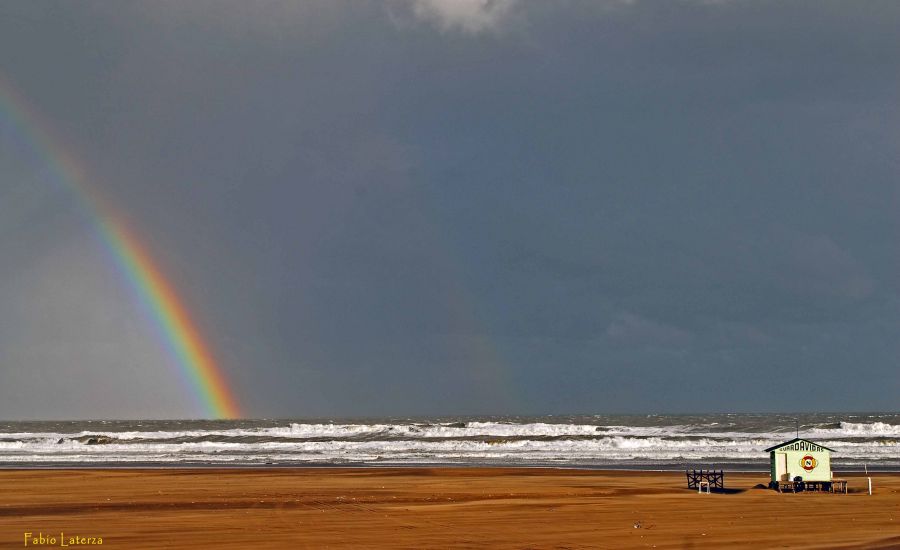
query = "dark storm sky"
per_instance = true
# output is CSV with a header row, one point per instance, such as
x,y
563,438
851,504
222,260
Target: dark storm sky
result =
x,y
460,207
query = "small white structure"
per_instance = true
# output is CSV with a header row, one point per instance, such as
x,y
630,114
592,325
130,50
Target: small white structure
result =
x,y
799,458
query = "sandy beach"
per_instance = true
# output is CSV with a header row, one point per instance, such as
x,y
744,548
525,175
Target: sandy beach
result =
x,y
434,508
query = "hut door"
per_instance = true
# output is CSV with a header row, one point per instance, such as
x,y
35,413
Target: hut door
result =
x,y
781,466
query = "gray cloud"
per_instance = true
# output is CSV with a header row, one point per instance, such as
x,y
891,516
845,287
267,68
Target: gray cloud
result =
x,y
634,330
74,343
444,207
468,16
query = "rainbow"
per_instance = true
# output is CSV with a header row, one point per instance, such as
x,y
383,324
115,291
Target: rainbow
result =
x,y
153,291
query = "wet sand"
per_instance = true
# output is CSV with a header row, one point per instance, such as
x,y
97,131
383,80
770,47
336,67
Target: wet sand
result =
x,y
435,508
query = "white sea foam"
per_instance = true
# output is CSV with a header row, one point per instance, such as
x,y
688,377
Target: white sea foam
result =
x,y
865,429
466,442
472,429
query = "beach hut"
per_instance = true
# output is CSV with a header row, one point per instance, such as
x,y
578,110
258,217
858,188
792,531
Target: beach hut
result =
x,y
800,461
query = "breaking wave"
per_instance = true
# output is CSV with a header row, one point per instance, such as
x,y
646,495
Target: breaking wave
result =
x,y
657,441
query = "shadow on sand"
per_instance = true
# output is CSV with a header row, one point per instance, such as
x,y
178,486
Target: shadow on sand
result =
x,y
723,491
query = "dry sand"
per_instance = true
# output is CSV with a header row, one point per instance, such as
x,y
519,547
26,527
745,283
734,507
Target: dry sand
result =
x,y
435,508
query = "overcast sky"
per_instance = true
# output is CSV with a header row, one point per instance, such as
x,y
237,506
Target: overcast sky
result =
x,y
416,207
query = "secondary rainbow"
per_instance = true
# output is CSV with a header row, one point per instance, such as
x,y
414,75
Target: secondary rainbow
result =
x,y
179,333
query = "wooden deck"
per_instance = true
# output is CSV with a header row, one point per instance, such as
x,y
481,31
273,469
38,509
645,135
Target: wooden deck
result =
x,y
833,486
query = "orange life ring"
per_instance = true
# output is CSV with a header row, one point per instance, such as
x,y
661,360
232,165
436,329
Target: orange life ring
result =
x,y
808,463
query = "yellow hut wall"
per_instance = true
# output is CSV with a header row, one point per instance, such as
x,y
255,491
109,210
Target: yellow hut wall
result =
x,y
821,471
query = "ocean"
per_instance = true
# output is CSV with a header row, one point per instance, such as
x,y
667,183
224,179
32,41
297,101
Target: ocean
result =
x,y
731,441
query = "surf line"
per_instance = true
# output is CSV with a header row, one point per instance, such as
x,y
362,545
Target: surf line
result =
x,y
180,335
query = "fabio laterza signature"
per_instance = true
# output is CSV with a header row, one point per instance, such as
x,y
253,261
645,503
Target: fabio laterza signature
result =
x,y
40,539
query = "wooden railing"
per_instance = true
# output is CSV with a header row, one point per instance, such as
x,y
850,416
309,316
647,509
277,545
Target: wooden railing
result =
x,y
715,478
